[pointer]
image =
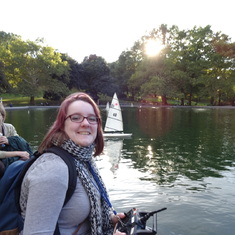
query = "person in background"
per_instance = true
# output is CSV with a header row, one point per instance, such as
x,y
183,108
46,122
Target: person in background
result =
x,y
12,146
78,130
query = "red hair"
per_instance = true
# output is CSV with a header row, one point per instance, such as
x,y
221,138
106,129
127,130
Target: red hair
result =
x,y
56,132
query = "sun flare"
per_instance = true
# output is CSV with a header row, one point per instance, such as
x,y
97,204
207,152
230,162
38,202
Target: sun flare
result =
x,y
153,47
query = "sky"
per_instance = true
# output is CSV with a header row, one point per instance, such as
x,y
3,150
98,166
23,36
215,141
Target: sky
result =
x,y
108,27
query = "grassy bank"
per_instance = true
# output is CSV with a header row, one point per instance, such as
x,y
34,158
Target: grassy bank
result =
x,y
16,100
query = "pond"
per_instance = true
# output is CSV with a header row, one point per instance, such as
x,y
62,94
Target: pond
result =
x,y
180,158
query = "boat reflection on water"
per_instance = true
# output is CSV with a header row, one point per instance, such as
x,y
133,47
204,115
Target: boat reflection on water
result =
x,y
113,150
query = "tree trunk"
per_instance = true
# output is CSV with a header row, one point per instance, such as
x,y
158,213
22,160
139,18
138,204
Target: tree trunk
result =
x,y
190,100
219,98
164,100
182,101
212,100
232,102
31,102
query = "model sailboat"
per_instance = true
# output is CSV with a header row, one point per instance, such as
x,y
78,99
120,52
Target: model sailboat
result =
x,y
114,124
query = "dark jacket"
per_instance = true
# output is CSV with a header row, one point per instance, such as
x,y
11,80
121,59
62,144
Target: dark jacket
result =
x,y
16,143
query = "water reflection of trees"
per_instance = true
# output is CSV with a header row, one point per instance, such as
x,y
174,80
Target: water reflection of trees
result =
x,y
155,122
167,143
32,124
199,144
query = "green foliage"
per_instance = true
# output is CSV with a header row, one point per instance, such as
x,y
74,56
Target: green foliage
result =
x,y
75,73
122,70
56,90
5,87
195,64
29,66
96,77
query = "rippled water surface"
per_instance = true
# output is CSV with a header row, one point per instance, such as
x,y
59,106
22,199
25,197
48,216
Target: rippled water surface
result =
x,y
179,158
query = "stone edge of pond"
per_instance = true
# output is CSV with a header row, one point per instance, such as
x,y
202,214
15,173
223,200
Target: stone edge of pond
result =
x,y
138,106
30,107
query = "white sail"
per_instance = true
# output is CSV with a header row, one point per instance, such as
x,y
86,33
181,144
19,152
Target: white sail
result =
x,y
114,124
114,120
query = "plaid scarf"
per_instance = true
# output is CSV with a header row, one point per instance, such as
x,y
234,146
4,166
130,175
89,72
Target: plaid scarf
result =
x,y
100,214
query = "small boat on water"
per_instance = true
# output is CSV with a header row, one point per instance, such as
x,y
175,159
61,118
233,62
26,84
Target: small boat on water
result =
x,y
114,123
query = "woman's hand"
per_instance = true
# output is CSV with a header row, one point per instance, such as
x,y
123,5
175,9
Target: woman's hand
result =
x,y
4,140
115,219
23,155
119,233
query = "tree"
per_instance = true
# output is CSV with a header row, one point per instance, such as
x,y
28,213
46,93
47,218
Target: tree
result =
x,y
29,66
96,77
76,73
223,69
122,71
5,59
195,64
187,68
150,76
153,79
4,87
224,47
42,65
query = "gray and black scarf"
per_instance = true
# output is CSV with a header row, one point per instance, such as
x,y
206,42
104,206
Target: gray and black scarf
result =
x,y
100,219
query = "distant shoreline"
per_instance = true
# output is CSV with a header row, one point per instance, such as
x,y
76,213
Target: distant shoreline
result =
x,y
29,107
128,106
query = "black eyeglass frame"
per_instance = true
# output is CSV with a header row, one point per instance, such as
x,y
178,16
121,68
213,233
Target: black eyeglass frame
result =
x,y
83,117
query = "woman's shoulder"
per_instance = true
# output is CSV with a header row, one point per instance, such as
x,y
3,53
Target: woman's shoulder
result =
x,y
50,165
49,158
9,129
8,125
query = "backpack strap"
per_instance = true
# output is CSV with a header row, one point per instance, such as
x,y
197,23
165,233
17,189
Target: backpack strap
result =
x,y
68,159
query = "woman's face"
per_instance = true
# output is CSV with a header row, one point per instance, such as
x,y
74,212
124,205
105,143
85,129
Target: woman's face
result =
x,y
81,133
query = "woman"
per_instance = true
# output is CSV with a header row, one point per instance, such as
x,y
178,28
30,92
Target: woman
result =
x,y
78,130
9,136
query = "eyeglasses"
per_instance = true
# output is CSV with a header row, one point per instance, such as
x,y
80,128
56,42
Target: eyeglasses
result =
x,y
78,118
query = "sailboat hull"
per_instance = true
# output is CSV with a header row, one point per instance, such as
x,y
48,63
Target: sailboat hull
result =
x,y
117,135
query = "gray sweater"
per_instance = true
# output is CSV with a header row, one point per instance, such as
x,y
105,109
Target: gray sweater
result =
x,y
42,196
